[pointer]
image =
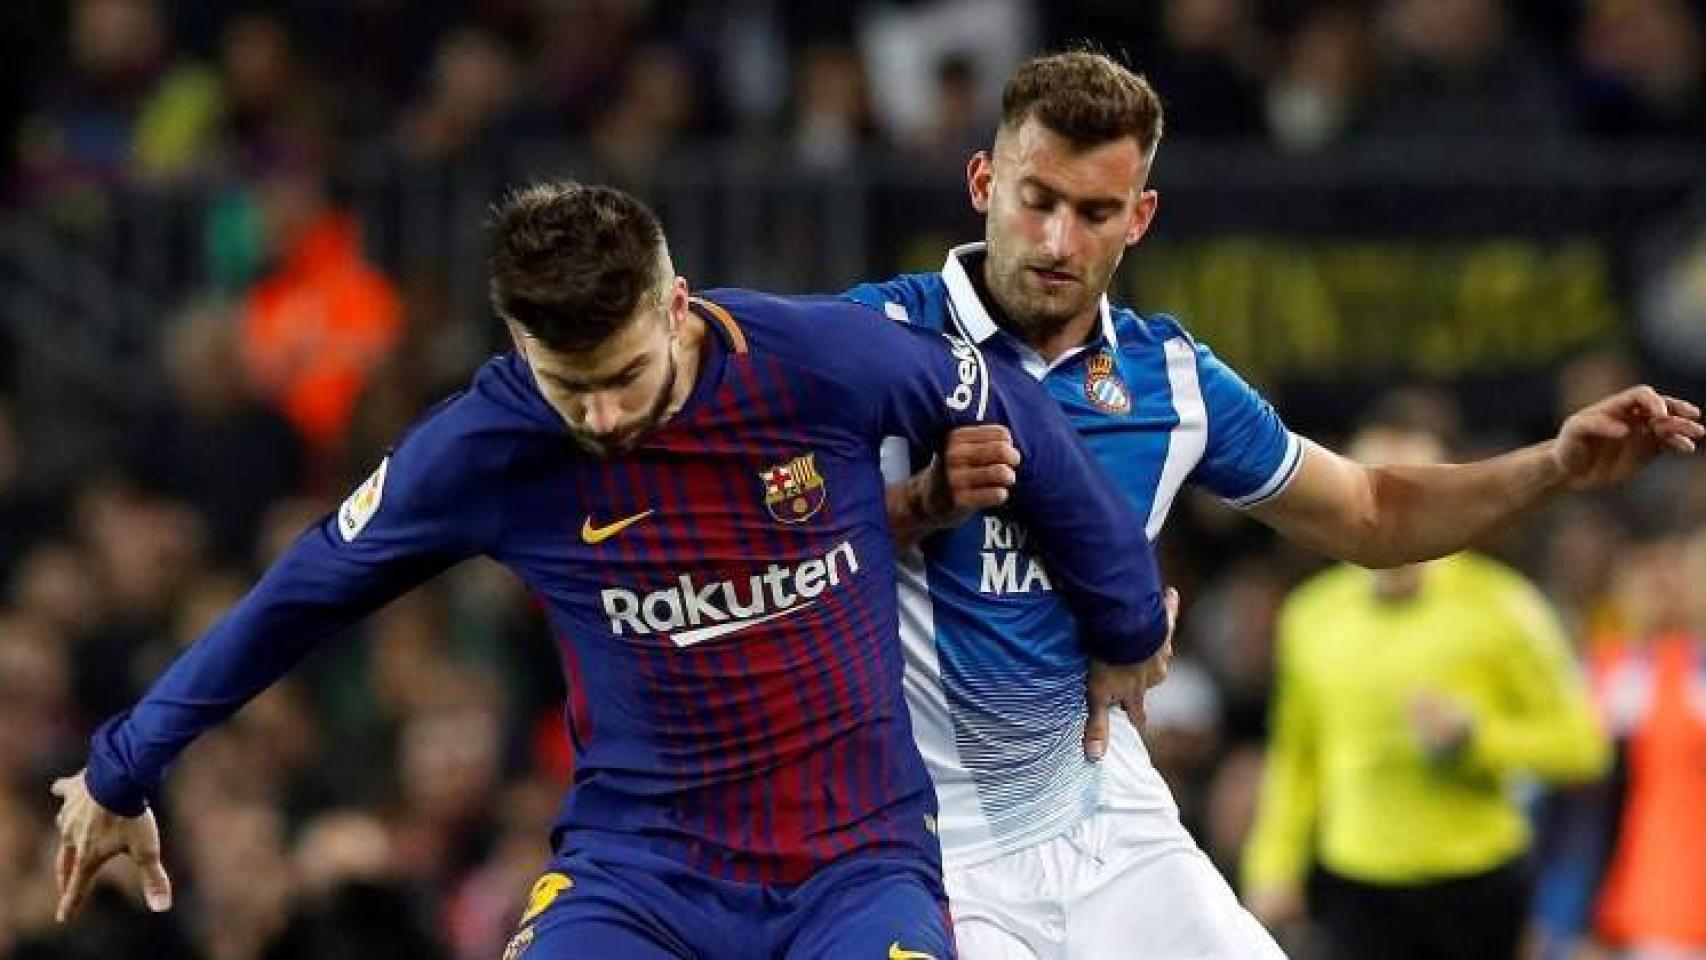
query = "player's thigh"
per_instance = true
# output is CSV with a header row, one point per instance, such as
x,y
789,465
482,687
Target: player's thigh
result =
x,y
584,906
871,911
583,937
980,939
1164,901
1012,907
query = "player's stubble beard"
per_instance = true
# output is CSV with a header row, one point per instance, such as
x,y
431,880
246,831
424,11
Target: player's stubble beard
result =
x,y
1033,314
623,441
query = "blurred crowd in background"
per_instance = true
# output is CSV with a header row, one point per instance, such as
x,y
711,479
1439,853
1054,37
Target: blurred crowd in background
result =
x,y
392,797
105,91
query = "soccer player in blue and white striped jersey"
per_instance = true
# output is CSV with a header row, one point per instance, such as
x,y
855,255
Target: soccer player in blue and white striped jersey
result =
x,y
691,487
1047,854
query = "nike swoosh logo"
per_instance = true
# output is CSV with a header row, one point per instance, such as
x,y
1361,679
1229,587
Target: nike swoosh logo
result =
x,y
688,638
896,953
594,535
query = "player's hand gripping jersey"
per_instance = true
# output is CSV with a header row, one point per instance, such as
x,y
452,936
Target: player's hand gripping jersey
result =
x,y
995,660
723,597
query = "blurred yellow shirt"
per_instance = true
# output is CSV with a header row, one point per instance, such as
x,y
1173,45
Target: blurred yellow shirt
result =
x,y
1348,781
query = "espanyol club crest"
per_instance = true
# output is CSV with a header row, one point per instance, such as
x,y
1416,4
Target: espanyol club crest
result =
x,y
1103,386
793,491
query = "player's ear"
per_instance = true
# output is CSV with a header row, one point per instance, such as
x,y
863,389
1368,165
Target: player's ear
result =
x,y
678,308
980,176
515,338
1147,203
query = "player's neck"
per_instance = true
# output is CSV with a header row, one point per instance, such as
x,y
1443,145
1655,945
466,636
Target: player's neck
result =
x,y
1076,333
688,355
1049,344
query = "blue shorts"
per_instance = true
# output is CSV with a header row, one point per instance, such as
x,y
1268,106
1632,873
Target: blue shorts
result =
x,y
636,905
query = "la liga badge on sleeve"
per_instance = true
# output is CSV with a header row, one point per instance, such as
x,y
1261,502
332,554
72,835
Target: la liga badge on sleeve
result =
x,y
363,503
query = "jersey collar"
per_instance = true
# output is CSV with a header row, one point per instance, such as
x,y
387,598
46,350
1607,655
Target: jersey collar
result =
x,y
974,323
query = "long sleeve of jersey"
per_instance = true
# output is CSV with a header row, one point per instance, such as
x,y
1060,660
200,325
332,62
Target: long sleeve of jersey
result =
x,y
417,514
1547,726
1088,534
1281,840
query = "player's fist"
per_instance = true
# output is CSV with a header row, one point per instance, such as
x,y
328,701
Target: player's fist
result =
x,y
975,471
90,835
1606,442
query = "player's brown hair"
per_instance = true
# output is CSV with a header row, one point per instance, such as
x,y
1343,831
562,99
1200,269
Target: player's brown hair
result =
x,y
1086,97
571,263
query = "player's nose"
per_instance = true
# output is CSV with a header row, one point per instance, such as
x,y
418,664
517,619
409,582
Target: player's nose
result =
x,y
602,413
1057,235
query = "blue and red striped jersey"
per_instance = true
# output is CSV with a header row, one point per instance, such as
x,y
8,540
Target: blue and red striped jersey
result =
x,y
723,596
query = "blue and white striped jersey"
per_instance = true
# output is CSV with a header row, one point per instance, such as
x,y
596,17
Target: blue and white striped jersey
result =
x,y
995,670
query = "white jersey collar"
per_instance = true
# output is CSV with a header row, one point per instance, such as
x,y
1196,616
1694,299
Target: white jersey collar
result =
x,y
975,324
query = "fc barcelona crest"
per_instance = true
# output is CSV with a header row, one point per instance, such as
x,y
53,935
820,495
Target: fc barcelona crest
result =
x,y
793,491
1103,386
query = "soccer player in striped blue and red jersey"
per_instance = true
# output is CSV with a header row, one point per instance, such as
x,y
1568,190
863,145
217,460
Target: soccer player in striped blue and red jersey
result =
x,y
691,485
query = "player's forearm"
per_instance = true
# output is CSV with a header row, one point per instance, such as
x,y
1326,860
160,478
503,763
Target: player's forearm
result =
x,y
1423,512
306,597
129,754
240,657
910,518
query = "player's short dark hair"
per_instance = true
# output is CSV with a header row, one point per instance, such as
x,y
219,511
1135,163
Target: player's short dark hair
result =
x,y
571,263
1086,97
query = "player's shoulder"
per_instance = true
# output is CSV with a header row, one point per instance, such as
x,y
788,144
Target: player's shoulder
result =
x,y
1161,338
765,318
918,299
1141,333
818,331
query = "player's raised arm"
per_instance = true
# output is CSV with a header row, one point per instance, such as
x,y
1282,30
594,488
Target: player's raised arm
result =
x,y
1383,516
418,513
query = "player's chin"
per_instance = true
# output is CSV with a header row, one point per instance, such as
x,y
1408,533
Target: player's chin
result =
x,y
606,446
1065,299
1052,313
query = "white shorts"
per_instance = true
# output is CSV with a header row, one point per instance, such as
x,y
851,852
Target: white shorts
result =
x,y
1107,888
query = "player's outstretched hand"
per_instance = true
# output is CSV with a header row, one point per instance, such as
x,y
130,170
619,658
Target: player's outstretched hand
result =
x,y
1606,442
90,835
1123,685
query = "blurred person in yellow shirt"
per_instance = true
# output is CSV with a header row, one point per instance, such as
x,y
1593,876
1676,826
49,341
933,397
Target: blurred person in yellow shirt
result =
x,y
1406,703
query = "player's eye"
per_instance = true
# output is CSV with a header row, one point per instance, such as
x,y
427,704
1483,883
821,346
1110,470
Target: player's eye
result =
x,y
1035,200
1097,216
